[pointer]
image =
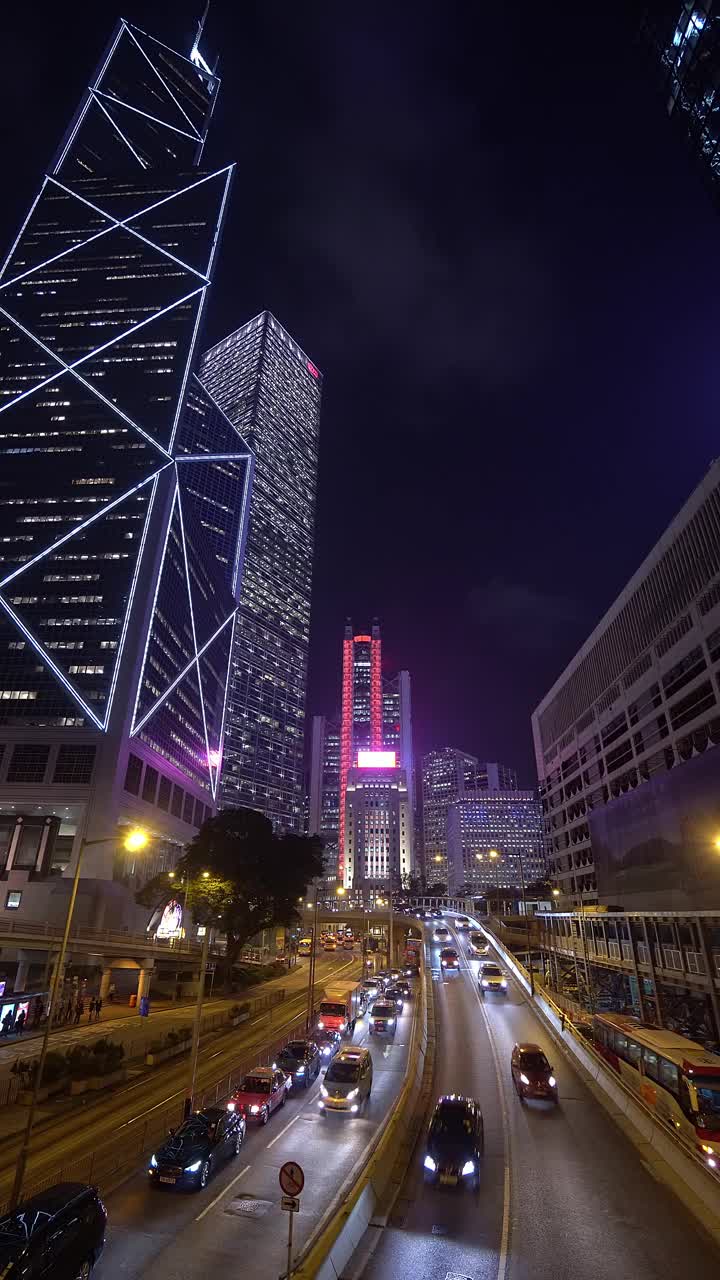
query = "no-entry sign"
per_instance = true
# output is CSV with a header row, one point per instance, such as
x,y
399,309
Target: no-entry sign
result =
x,y
292,1178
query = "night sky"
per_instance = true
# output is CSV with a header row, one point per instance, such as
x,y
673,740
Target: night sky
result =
x,y
478,221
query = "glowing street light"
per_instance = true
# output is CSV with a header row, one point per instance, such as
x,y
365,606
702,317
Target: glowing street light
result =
x,y
133,840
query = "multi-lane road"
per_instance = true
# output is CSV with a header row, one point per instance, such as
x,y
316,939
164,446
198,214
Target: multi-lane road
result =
x,y
236,1226
563,1194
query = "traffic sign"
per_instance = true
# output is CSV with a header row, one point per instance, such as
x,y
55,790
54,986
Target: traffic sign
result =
x,y
292,1178
291,1204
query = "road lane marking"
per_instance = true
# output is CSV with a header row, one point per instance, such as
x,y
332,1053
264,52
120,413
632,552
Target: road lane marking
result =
x,y
505,1230
282,1131
224,1192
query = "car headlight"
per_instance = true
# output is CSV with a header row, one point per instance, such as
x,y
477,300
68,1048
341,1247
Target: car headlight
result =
x,y
193,1168
503,983
326,1051
343,1026
323,1091
153,1162
399,1004
352,1094
443,963
523,1078
231,1106
468,1168
391,1022
484,982
321,1025
254,1109
552,1082
430,1164
354,1106
300,1071
712,1162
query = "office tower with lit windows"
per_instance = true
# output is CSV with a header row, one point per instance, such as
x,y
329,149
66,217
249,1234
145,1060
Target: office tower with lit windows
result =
x,y
447,775
683,40
271,391
378,826
324,799
123,486
494,840
376,714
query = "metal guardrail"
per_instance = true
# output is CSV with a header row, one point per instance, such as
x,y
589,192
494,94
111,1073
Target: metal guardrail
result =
x,y
108,1164
664,1125
14,929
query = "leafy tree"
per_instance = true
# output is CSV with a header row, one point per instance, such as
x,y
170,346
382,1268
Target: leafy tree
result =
x,y
241,877
437,890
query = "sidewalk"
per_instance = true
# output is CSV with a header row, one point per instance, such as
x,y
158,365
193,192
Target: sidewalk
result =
x,y
120,1017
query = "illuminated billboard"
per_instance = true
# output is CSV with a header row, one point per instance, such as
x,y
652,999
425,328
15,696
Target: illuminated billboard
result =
x,y
377,760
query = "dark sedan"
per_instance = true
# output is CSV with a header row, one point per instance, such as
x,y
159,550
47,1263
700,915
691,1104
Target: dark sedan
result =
x,y
328,1042
393,995
301,1060
193,1152
455,1142
532,1074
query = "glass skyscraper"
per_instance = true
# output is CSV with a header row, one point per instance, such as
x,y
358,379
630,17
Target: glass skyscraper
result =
x,y
375,715
271,393
123,486
683,37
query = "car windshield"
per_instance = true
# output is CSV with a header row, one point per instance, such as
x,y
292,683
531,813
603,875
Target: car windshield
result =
x,y
449,954
477,938
708,1092
295,1049
492,971
383,1011
451,1122
343,1072
534,1062
196,1126
255,1084
332,1010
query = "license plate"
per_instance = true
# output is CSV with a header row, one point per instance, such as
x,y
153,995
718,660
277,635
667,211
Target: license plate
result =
x,y
170,1180
448,1179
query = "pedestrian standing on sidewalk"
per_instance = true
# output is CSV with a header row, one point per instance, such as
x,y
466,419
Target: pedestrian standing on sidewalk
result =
x,y
98,1008
111,993
38,1012
7,1023
91,1010
79,1010
20,1023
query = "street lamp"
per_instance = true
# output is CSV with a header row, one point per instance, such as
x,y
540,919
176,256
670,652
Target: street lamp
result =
x,y
197,1021
494,856
134,840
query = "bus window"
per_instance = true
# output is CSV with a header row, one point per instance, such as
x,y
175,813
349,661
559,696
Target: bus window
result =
x,y
669,1076
633,1054
650,1064
621,1045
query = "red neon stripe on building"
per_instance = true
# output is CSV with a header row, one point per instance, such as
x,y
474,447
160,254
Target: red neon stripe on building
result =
x,y
376,728
345,746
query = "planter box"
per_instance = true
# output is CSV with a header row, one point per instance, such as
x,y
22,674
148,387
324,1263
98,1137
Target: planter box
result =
x,y
45,1091
79,1086
241,1017
107,1082
152,1059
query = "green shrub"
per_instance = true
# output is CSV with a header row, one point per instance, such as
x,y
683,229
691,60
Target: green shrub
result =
x,y
80,1062
54,1069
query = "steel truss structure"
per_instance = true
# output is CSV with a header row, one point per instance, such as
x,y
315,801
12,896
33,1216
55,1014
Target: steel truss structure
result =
x,y
111,450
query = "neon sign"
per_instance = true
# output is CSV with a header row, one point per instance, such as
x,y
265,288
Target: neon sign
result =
x,y
311,369
377,760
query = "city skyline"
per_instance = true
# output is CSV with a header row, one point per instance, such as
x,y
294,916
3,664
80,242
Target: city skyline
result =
x,y
504,624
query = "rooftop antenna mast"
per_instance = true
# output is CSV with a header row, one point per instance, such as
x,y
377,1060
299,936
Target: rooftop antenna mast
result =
x,y
195,54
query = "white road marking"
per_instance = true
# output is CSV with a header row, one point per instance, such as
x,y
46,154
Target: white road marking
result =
x,y
505,1231
282,1131
224,1192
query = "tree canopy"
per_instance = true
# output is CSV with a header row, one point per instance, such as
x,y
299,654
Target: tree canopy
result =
x,y
241,877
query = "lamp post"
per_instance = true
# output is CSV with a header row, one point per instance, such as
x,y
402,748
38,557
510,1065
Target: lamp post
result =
x,y
527,922
134,840
494,856
197,1021
311,974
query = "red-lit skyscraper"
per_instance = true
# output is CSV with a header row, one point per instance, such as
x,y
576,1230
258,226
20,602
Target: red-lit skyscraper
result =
x,y
375,714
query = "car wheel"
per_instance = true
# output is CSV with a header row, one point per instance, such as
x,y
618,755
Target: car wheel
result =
x,y
264,1115
204,1175
84,1270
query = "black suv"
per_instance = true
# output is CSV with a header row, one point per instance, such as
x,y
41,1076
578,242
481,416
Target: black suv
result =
x,y
59,1233
455,1142
301,1060
193,1151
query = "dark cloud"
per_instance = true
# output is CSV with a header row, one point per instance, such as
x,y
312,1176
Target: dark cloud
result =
x,y
525,617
